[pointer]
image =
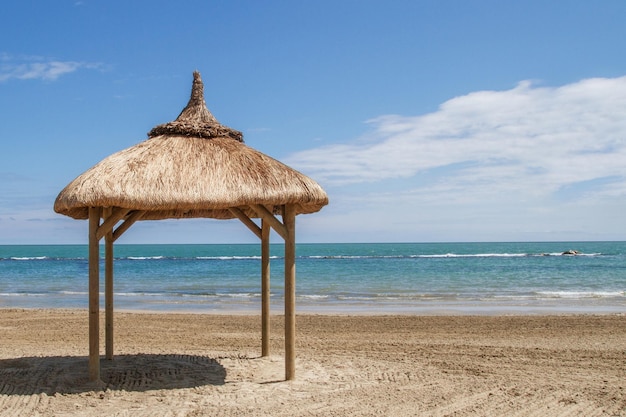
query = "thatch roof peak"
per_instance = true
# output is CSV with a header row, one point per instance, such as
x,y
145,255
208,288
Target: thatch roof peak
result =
x,y
196,120
191,167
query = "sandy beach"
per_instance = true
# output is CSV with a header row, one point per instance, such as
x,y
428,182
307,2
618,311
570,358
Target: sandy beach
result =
x,y
210,365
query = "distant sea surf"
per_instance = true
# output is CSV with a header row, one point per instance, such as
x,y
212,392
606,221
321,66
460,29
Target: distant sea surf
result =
x,y
363,278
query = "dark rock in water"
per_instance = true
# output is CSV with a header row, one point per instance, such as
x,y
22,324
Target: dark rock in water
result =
x,y
571,252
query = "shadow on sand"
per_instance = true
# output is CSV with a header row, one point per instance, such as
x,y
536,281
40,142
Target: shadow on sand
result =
x,y
142,372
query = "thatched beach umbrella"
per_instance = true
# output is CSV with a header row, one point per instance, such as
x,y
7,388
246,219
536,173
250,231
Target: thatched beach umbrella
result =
x,y
191,167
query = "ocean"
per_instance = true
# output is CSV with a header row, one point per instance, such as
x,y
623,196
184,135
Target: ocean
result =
x,y
361,278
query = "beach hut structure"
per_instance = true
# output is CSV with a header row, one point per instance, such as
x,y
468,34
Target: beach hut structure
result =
x,y
193,167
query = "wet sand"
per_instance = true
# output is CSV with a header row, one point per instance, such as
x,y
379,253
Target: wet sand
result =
x,y
403,365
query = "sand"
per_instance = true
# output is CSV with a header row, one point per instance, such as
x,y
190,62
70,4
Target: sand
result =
x,y
209,365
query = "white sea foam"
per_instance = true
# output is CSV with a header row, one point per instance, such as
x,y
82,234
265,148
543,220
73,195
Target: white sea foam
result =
x,y
475,255
23,294
582,294
230,258
314,296
238,295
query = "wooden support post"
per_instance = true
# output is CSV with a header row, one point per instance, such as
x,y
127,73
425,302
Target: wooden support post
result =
x,y
237,212
265,214
289,221
129,221
265,288
94,294
108,286
111,217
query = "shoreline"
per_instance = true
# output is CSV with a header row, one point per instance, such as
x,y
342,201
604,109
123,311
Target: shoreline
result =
x,y
372,309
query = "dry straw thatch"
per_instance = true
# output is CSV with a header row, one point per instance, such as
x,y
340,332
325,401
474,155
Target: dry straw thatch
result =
x,y
191,167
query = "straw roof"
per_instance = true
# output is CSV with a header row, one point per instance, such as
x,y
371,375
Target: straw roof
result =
x,y
191,167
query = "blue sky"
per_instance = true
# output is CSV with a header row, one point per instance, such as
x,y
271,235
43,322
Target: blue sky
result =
x,y
424,120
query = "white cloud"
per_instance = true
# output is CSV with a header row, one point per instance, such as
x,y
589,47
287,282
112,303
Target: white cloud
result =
x,y
529,140
529,163
28,68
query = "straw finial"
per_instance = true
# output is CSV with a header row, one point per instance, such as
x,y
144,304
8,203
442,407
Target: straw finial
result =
x,y
196,120
197,88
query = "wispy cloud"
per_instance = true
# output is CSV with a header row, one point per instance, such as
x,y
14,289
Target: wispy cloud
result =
x,y
30,68
529,140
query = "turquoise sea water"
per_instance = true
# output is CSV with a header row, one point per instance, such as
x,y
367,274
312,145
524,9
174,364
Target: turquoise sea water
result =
x,y
425,278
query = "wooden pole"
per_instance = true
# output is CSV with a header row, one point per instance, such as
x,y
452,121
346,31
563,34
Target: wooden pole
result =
x,y
94,294
265,288
129,221
289,221
247,221
108,287
273,221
